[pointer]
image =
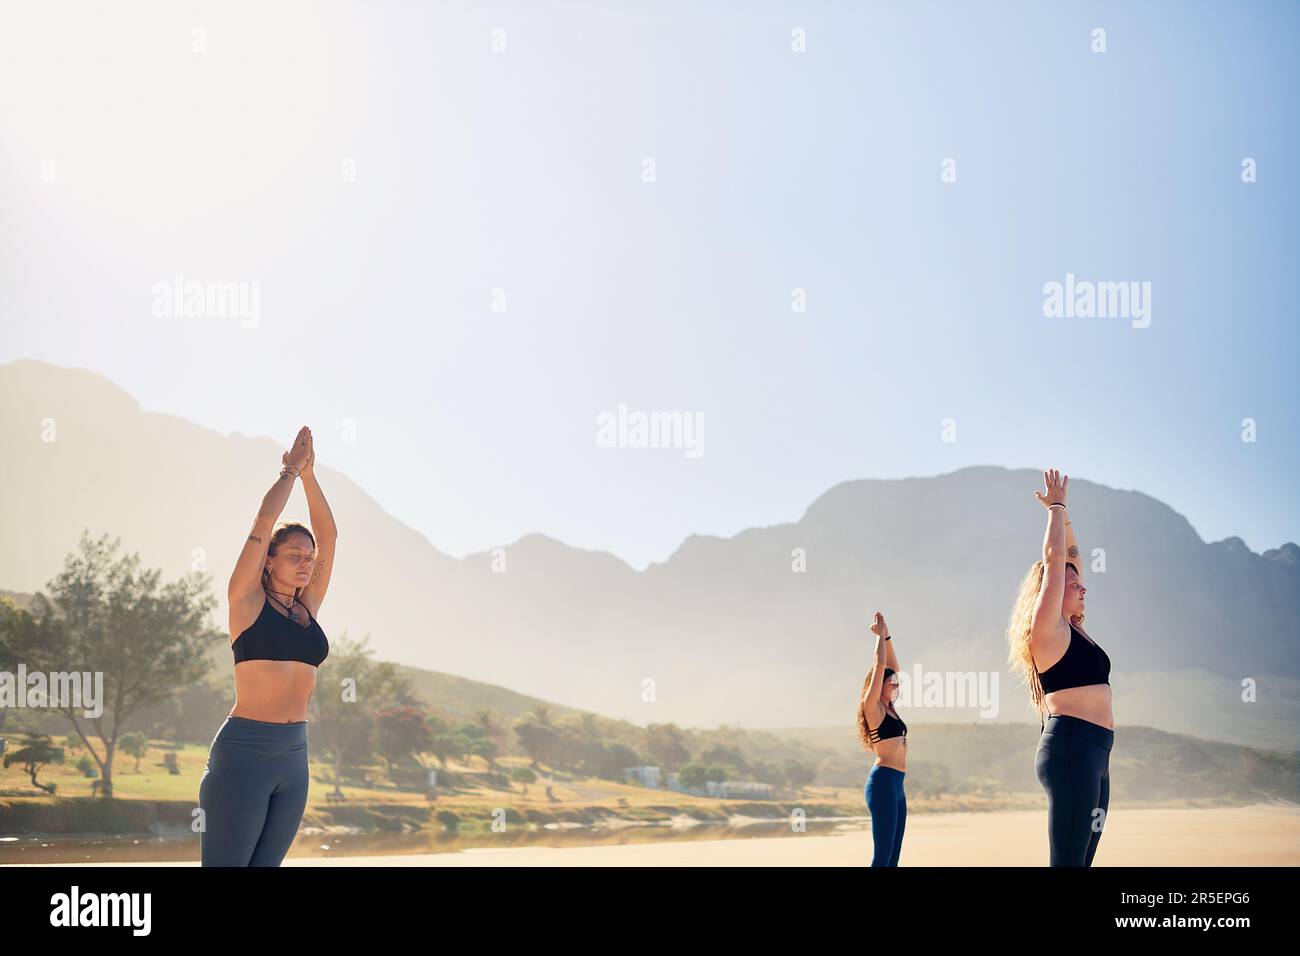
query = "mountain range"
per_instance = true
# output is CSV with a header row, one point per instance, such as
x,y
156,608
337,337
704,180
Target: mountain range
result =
x,y
767,628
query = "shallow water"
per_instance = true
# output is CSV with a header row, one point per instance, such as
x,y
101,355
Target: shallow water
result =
x,y
144,848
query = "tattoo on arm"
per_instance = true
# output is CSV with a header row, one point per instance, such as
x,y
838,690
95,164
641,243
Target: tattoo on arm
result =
x,y
253,537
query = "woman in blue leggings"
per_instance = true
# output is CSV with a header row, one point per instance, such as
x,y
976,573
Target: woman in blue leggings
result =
x,y
884,733
1069,682
254,790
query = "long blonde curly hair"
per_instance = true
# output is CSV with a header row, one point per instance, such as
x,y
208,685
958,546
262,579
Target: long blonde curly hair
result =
x,y
1018,627
864,730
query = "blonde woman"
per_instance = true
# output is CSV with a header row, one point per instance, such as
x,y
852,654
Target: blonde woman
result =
x,y
1069,683
883,733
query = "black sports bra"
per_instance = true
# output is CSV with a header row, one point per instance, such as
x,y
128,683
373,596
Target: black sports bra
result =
x,y
1083,664
891,726
266,640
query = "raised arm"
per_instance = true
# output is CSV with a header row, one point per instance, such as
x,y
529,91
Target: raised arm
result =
x,y
246,579
891,659
871,690
1072,546
326,532
1047,622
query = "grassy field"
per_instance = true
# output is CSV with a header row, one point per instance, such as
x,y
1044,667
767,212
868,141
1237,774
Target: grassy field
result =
x,y
151,799
990,769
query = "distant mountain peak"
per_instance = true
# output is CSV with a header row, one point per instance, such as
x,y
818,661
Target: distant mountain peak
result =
x,y
536,542
24,376
1233,545
1289,554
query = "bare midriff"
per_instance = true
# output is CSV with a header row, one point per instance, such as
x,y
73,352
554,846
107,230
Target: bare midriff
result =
x,y
274,691
1090,702
892,752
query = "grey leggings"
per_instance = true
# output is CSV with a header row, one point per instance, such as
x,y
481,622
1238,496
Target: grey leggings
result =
x,y
253,792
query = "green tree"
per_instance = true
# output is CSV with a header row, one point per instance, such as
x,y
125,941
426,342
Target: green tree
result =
x,y
107,618
485,750
590,727
347,699
522,776
402,733
491,724
695,776
9,620
617,756
540,741
442,742
134,744
36,752
666,745
729,756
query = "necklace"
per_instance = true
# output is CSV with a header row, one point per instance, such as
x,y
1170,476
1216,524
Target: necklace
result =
x,y
288,607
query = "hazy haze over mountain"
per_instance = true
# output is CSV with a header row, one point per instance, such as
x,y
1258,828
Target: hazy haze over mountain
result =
x,y
725,629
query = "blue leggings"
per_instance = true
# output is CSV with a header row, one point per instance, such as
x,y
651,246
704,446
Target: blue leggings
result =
x,y
253,792
1073,765
888,805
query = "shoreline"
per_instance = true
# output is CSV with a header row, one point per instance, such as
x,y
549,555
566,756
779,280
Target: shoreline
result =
x,y
172,818
1255,835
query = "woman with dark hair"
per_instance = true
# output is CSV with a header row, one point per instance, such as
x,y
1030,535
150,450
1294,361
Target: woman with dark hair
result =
x,y
884,733
1069,683
254,790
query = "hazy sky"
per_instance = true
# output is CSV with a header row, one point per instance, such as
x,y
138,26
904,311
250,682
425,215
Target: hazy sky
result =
x,y
378,170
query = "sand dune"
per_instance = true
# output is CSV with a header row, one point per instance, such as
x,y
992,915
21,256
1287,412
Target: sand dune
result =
x,y
1237,836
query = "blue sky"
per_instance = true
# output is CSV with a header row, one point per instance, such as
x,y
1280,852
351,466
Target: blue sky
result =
x,y
522,170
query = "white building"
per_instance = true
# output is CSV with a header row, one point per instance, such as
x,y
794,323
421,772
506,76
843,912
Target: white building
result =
x,y
739,789
645,776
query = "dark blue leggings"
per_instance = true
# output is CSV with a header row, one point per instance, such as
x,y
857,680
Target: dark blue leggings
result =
x,y
888,805
1073,765
253,792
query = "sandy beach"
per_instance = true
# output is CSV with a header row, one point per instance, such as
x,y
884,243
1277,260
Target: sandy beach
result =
x,y
1261,835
